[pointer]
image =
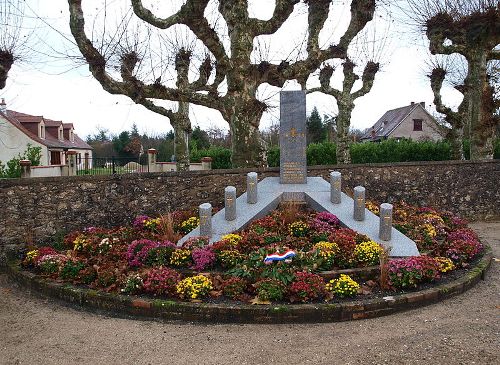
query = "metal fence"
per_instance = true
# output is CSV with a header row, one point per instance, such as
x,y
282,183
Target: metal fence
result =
x,y
109,166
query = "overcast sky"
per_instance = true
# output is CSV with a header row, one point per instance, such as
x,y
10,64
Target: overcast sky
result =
x,y
47,83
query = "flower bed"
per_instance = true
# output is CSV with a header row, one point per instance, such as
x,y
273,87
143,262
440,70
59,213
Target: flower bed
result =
x,y
279,258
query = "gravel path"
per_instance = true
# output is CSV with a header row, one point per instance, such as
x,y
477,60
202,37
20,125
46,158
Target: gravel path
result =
x,y
461,330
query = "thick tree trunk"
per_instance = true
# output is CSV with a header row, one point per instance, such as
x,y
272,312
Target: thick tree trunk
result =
x,y
343,124
456,138
182,129
247,147
482,126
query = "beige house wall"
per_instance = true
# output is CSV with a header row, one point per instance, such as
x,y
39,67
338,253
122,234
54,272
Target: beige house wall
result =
x,y
14,142
429,127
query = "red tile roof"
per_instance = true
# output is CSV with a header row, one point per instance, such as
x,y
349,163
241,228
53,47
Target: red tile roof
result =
x,y
24,122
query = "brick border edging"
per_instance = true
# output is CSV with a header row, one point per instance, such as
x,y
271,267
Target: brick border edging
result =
x,y
226,313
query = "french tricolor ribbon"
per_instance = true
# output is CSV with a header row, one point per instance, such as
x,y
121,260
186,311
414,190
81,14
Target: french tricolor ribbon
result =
x,y
280,256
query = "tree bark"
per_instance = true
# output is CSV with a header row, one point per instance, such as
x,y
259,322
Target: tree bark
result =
x,y
482,125
343,124
6,61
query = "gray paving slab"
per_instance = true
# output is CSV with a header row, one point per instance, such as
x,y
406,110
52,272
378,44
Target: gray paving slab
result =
x,y
317,194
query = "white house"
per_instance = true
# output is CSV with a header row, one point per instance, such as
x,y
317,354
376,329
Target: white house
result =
x,y
55,138
412,121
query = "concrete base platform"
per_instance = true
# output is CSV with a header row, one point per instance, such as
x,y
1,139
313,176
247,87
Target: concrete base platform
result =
x,y
316,192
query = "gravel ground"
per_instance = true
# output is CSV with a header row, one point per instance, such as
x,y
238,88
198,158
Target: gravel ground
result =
x,y
461,330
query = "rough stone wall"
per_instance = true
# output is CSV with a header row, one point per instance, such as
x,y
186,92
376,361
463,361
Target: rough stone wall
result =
x,y
35,209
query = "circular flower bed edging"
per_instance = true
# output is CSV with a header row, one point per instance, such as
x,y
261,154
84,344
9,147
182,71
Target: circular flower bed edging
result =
x,y
118,304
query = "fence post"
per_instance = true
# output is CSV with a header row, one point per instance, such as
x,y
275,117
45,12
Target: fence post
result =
x,y
86,161
206,163
25,168
113,164
71,163
152,160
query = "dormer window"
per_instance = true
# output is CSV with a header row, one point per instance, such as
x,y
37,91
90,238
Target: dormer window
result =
x,y
71,135
61,135
41,132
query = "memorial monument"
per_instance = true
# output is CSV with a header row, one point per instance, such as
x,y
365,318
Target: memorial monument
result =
x,y
293,184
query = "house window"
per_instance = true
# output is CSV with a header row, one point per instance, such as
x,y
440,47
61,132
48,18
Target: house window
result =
x,y
55,157
417,124
42,131
61,137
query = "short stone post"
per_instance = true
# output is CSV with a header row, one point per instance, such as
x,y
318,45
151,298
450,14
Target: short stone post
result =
x,y
230,203
385,229
25,168
71,163
335,187
252,181
359,203
152,160
206,219
206,163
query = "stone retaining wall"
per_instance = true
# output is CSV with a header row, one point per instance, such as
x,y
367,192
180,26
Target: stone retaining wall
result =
x,y
35,209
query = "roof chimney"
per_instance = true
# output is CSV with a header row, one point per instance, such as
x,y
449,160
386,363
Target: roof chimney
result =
x,y
423,104
412,103
3,106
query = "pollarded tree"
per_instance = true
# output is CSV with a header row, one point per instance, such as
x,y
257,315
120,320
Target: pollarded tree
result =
x,y
449,68
345,100
470,28
239,105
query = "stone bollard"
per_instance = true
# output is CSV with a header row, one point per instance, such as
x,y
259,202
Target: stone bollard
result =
x,y
206,163
25,168
385,228
252,181
230,203
359,203
152,160
72,166
335,187
206,219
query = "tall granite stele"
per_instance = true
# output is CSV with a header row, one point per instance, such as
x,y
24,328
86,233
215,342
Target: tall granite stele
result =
x,y
293,185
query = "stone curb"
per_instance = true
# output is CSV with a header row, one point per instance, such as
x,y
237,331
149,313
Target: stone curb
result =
x,y
171,310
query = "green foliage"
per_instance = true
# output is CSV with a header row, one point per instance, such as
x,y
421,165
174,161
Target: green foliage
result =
x,y
273,156
199,139
392,150
316,132
13,169
321,154
496,153
221,157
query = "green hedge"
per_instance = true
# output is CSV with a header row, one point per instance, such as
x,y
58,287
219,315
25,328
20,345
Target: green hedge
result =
x,y
221,157
324,153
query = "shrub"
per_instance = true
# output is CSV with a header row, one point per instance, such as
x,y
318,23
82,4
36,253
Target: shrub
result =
x,y
273,156
51,263
234,287
180,257
71,269
229,258
189,224
321,154
133,284
368,253
194,287
203,258
462,245
298,229
306,287
409,272
144,251
270,289
161,281
221,157
327,252
13,169
342,287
